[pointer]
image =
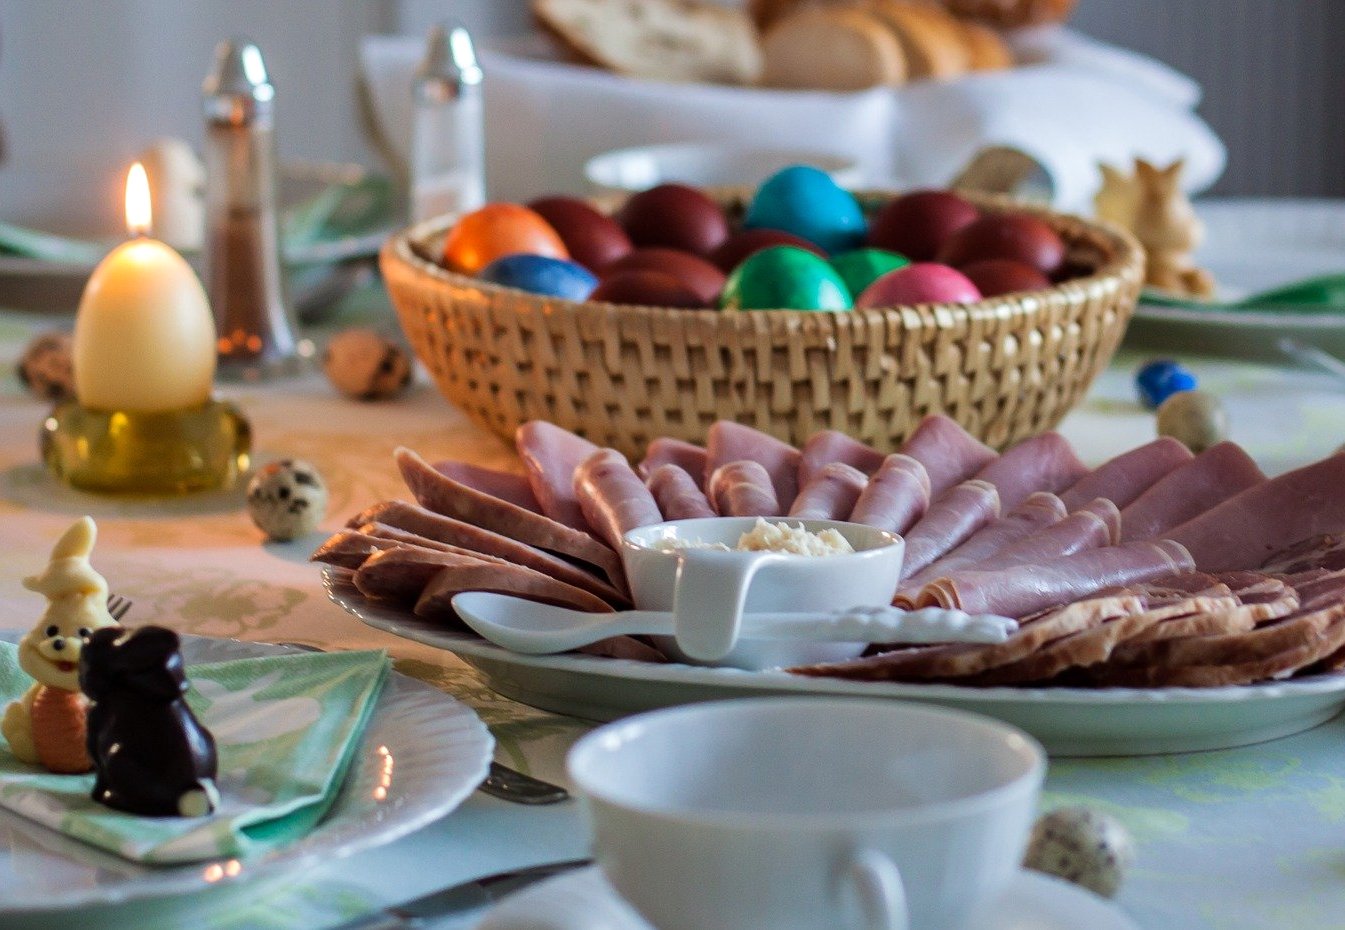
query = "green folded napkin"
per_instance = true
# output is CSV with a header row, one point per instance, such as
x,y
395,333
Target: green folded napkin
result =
x,y
285,726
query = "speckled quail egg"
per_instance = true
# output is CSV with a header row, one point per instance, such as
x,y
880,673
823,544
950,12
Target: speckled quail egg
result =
x,y
287,499
1083,846
365,365
45,367
1196,418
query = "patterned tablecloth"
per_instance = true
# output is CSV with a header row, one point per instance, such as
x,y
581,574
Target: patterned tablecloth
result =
x,y
1246,838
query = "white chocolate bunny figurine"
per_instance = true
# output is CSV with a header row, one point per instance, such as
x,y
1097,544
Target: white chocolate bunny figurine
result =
x,y
1166,225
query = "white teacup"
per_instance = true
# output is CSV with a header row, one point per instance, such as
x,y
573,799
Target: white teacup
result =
x,y
809,813
708,591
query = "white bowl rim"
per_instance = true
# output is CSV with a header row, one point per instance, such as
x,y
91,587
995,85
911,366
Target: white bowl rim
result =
x,y
632,539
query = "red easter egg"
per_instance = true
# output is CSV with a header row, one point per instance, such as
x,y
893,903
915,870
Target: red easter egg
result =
x,y
918,224
704,279
674,216
921,283
497,230
647,289
747,242
593,239
1015,236
996,276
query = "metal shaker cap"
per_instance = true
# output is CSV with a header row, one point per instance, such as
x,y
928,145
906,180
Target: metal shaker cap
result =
x,y
238,90
449,68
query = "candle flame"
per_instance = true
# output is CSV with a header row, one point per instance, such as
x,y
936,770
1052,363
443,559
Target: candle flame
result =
x,y
139,218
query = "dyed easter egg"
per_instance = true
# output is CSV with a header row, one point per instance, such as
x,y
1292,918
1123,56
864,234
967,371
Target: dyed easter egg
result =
x,y
1195,418
1015,236
806,202
785,278
593,239
860,268
921,283
996,276
497,230
704,279
539,274
745,242
674,216
1158,380
919,223
646,288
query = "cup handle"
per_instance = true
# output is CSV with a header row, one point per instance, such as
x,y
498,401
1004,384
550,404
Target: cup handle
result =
x,y
879,890
709,585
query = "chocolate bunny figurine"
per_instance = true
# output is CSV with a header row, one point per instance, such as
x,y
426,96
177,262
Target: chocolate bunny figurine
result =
x,y
151,755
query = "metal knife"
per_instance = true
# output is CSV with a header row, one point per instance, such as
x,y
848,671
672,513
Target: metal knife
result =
x,y
459,900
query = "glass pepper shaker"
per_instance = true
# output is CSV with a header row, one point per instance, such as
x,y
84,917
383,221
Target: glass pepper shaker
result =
x,y
447,165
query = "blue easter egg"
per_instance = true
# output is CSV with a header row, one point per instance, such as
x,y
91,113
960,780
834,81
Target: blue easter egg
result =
x,y
1158,380
806,202
541,274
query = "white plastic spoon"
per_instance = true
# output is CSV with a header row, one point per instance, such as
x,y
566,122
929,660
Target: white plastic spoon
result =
x,y
538,629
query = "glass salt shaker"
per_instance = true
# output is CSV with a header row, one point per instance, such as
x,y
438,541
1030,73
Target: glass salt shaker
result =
x,y
447,165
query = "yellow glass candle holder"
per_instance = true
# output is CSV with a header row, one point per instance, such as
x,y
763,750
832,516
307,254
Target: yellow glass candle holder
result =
x,y
201,448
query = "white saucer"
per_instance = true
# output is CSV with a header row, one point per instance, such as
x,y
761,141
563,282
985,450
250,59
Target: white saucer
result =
x,y
584,901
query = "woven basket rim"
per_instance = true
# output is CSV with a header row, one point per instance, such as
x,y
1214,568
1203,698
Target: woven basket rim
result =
x,y
1127,260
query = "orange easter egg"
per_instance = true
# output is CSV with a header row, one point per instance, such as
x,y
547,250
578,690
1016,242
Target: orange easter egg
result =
x,y
497,230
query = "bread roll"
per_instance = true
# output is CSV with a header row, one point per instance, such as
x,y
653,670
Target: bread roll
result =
x,y
1008,14
986,50
831,48
930,38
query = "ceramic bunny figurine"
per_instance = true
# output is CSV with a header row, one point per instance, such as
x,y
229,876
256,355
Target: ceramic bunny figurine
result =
x,y
1115,199
1166,225
47,725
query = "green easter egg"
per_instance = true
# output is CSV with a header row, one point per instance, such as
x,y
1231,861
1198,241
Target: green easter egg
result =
x,y
785,278
860,268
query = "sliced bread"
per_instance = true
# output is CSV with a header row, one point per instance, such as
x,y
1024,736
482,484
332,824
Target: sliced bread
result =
x,y
831,48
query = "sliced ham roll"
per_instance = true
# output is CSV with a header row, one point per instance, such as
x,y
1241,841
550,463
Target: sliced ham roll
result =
x,y
677,494
507,487
949,453
743,489
613,497
1043,463
350,548
1248,528
1130,474
454,499
950,521
829,446
550,455
896,496
1034,514
732,442
686,456
1019,591
1092,527
1210,478
830,494
435,529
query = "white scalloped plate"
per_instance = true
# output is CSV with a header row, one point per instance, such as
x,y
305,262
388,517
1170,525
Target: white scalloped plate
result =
x,y
1068,721
441,751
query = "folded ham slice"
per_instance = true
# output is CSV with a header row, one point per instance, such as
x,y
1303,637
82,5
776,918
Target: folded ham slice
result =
x,y
743,489
666,451
507,487
1092,527
1262,520
613,497
677,494
453,499
1323,552
830,494
950,521
949,453
896,496
732,442
550,455
829,446
1016,592
1212,477
1128,475
1045,462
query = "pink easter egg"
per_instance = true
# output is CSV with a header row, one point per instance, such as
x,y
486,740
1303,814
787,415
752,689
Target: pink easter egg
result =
x,y
920,283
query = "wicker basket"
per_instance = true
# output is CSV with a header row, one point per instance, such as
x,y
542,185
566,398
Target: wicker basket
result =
x,y
1005,368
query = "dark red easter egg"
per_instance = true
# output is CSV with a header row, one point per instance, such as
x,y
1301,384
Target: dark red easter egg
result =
x,y
921,283
674,216
1015,236
996,276
747,242
646,288
919,223
704,279
594,240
